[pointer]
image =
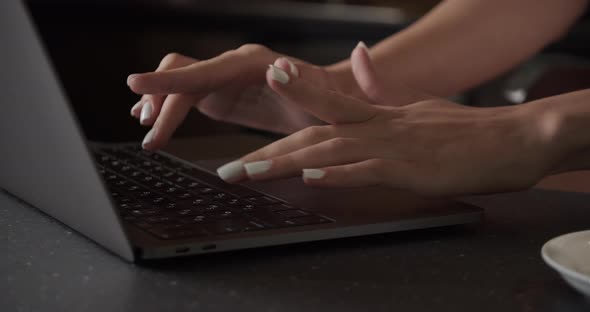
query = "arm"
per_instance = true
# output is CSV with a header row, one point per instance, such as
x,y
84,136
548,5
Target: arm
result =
x,y
462,43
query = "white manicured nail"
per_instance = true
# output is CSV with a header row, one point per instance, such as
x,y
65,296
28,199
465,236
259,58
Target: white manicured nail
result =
x,y
313,173
146,112
148,138
130,79
278,74
294,69
258,167
135,109
231,171
362,45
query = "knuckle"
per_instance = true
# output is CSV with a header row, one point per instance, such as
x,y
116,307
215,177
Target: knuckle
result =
x,y
313,134
338,143
252,48
170,59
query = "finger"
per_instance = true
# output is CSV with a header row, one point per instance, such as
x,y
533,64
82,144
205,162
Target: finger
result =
x,y
173,113
370,172
203,76
364,73
136,109
317,134
328,153
326,105
393,93
234,171
152,104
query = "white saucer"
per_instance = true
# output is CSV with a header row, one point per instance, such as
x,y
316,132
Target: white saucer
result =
x,y
569,255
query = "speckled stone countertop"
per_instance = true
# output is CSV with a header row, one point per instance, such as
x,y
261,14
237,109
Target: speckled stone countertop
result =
x,y
491,266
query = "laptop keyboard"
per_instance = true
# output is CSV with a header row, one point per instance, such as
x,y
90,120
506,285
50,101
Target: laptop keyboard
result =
x,y
172,200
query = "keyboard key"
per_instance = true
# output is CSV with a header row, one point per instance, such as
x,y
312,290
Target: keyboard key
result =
x,y
212,207
168,174
125,169
247,208
293,213
172,190
160,219
185,196
146,165
206,190
103,159
122,199
112,178
276,208
221,196
263,200
144,212
121,183
159,185
190,185
255,226
201,202
178,179
131,206
223,214
145,194
187,212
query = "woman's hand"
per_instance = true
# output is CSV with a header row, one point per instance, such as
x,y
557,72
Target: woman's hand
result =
x,y
432,147
229,87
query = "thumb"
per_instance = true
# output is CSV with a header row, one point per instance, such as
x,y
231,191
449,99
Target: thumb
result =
x,y
393,93
327,105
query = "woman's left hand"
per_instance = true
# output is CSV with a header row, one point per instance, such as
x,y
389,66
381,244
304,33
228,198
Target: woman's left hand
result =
x,y
433,147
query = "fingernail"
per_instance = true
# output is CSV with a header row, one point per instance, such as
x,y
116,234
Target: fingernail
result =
x,y
294,69
148,138
146,112
231,171
130,78
278,74
257,167
135,109
314,174
362,45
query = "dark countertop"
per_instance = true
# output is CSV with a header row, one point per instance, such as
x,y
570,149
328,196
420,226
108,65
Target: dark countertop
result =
x,y
492,266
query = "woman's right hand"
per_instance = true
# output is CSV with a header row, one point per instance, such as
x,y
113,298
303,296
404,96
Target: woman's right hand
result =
x,y
230,87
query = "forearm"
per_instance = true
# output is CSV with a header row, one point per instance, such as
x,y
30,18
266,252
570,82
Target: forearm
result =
x,y
562,123
462,43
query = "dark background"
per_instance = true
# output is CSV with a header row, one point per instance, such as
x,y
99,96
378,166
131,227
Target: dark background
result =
x,y
96,45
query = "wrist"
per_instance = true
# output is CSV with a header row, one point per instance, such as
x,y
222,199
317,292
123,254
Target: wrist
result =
x,y
562,124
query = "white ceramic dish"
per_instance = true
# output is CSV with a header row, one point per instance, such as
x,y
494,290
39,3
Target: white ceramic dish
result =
x,y
569,255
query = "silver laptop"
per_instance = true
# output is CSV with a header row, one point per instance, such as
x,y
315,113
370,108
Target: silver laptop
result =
x,y
142,205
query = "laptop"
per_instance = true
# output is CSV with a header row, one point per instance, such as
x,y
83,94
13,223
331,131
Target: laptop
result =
x,y
142,205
